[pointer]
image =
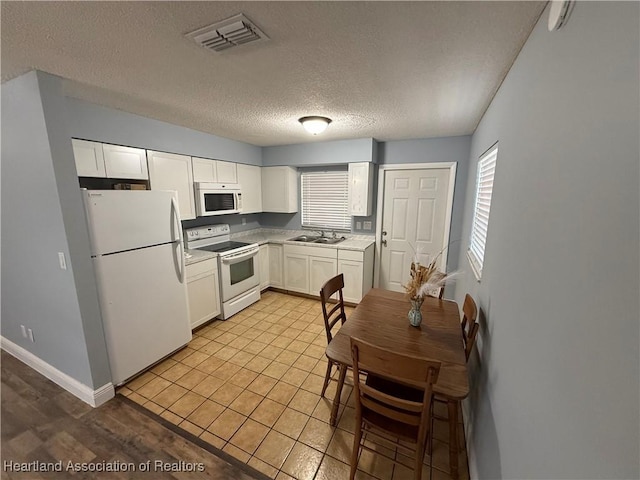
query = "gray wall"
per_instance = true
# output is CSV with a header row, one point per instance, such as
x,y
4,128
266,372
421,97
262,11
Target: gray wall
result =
x,y
36,225
556,380
93,122
320,153
331,154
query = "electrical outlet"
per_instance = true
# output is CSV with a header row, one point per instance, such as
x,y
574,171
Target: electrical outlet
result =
x,y
358,225
31,335
23,329
367,225
63,262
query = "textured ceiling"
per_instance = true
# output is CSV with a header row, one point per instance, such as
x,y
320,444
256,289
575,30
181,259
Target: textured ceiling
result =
x,y
387,70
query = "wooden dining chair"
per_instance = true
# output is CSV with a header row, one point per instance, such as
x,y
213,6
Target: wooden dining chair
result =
x,y
332,316
469,324
395,399
470,328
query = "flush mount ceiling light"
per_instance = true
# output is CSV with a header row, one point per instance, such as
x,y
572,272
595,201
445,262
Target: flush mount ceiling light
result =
x,y
315,124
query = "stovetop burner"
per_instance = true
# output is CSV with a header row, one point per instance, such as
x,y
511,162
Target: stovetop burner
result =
x,y
223,247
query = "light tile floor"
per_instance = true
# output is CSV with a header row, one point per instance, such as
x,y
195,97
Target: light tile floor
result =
x,y
251,386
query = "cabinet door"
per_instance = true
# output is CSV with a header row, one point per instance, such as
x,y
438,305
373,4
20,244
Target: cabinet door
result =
x,y
89,158
125,162
360,185
204,170
204,298
226,172
321,270
168,171
250,180
263,260
276,266
279,189
296,272
353,276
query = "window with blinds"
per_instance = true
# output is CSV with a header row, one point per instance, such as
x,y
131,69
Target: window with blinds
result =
x,y
480,227
325,200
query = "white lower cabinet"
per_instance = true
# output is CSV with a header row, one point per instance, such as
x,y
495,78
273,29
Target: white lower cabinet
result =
x,y
276,265
357,268
296,271
321,269
203,291
263,261
306,269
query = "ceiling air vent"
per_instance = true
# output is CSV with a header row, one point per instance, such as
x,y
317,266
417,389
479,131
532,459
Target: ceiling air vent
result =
x,y
228,33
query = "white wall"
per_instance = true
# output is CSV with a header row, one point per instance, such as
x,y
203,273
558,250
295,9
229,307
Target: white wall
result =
x,y
555,387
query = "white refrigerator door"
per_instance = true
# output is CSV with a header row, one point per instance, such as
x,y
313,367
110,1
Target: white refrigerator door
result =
x,y
144,307
122,220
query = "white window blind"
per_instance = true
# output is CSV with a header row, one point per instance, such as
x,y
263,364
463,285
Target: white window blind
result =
x,y
325,200
480,227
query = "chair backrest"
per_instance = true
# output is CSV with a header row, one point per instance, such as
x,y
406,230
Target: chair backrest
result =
x,y
331,316
406,370
436,292
469,324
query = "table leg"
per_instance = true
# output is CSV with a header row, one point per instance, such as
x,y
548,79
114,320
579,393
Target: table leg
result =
x,y
453,438
336,401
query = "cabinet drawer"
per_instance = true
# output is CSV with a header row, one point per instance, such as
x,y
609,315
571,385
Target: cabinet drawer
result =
x,y
312,251
197,269
351,255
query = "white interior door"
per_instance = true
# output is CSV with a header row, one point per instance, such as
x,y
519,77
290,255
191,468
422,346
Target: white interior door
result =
x,y
415,220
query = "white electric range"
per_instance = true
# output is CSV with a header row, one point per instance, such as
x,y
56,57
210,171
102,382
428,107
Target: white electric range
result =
x,y
238,266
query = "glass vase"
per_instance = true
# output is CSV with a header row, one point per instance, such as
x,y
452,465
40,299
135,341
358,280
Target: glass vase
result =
x,y
415,315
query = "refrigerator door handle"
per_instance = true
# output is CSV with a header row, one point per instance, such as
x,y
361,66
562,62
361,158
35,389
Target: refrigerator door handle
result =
x,y
181,261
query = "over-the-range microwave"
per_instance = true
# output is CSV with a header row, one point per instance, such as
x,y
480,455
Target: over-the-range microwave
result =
x,y
217,198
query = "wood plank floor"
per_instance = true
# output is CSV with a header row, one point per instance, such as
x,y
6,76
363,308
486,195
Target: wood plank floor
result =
x,y
41,422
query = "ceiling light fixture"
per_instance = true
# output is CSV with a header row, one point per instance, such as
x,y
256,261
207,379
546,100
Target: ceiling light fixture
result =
x,y
315,124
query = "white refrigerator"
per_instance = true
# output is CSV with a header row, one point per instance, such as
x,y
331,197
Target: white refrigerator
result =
x,y
138,256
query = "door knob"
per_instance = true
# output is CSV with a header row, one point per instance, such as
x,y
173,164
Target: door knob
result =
x,y
384,243
384,234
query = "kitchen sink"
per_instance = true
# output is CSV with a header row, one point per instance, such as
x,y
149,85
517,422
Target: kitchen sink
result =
x,y
317,239
305,238
329,241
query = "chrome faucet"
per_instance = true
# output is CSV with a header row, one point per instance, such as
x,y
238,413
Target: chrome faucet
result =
x,y
321,233
333,234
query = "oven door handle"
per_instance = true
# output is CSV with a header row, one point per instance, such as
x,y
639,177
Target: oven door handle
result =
x,y
240,257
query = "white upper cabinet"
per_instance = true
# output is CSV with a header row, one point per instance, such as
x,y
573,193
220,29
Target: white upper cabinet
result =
x,y
215,171
360,189
125,162
89,158
250,180
279,189
204,170
227,172
168,171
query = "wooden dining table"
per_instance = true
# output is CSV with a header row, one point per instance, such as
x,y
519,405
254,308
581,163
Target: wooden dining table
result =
x,y
381,319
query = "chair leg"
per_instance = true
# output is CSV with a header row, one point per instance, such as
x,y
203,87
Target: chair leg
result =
x,y
357,438
327,377
420,448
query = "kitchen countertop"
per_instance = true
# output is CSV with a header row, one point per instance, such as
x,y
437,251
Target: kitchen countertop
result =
x,y
263,236
197,256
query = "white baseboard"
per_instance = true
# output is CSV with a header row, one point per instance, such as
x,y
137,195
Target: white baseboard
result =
x,y
95,398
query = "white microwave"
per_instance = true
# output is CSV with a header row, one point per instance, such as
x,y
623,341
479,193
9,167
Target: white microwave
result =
x,y
217,198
